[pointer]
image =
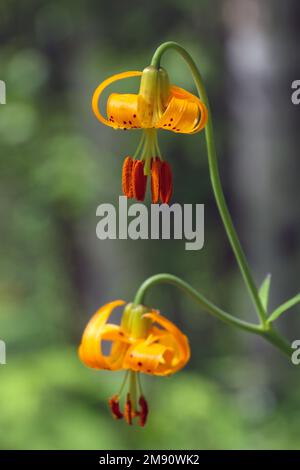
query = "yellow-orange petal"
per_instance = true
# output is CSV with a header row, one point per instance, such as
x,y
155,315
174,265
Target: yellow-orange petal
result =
x,y
182,351
101,87
181,93
185,113
117,354
122,111
149,358
90,351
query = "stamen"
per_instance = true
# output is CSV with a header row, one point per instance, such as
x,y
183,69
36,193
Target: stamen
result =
x,y
155,179
166,182
128,412
139,180
115,407
127,185
144,410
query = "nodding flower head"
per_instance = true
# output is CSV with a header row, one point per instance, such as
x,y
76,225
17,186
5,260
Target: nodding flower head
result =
x,y
158,105
143,342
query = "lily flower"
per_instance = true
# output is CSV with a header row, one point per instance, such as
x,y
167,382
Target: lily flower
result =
x,y
144,342
158,105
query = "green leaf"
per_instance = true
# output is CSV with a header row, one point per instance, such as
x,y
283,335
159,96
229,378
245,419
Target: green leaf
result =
x,y
282,308
264,291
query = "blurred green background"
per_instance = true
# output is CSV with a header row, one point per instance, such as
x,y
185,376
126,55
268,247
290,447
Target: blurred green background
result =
x,y
58,164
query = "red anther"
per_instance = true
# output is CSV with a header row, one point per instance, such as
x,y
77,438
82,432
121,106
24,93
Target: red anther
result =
x,y
114,407
128,412
139,180
155,179
166,183
127,177
143,413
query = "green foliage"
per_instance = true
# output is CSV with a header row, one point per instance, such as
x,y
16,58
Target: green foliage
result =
x,y
264,292
49,400
57,164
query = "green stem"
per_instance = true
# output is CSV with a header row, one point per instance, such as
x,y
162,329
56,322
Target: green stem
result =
x,y
140,145
215,177
123,383
264,329
270,335
132,388
200,299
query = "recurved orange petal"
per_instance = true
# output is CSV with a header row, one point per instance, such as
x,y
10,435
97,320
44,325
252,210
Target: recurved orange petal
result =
x,y
122,111
185,113
174,340
121,104
150,358
90,351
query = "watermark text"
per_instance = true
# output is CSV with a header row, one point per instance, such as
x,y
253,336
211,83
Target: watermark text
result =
x,y
2,92
159,222
295,97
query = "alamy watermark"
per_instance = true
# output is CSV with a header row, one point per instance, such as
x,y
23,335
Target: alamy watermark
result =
x,y
295,97
2,92
296,354
2,352
161,221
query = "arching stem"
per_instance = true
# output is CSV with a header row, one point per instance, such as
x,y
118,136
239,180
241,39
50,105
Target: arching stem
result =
x,y
215,177
264,329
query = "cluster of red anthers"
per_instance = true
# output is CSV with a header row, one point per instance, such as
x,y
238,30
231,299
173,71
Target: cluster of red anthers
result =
x,y
129,412
134,181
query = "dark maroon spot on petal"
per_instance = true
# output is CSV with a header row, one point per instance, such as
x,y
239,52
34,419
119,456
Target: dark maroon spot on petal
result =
x,y
171,119
134,115
140,364
130,122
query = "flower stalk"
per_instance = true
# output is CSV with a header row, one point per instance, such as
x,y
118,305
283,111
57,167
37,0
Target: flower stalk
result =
x,y
145,341
265,327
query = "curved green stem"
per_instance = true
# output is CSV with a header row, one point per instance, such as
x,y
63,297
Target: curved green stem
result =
x,y
270,334
215,177
264,329
200,299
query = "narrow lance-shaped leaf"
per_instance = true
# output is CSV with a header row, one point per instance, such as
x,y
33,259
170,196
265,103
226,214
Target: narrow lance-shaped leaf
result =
x,y
264,291
282,308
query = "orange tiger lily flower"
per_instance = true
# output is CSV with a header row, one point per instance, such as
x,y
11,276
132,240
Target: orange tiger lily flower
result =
x,y
158,105
144,342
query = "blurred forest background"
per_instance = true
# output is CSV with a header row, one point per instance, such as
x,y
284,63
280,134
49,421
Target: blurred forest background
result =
x,y
58,164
